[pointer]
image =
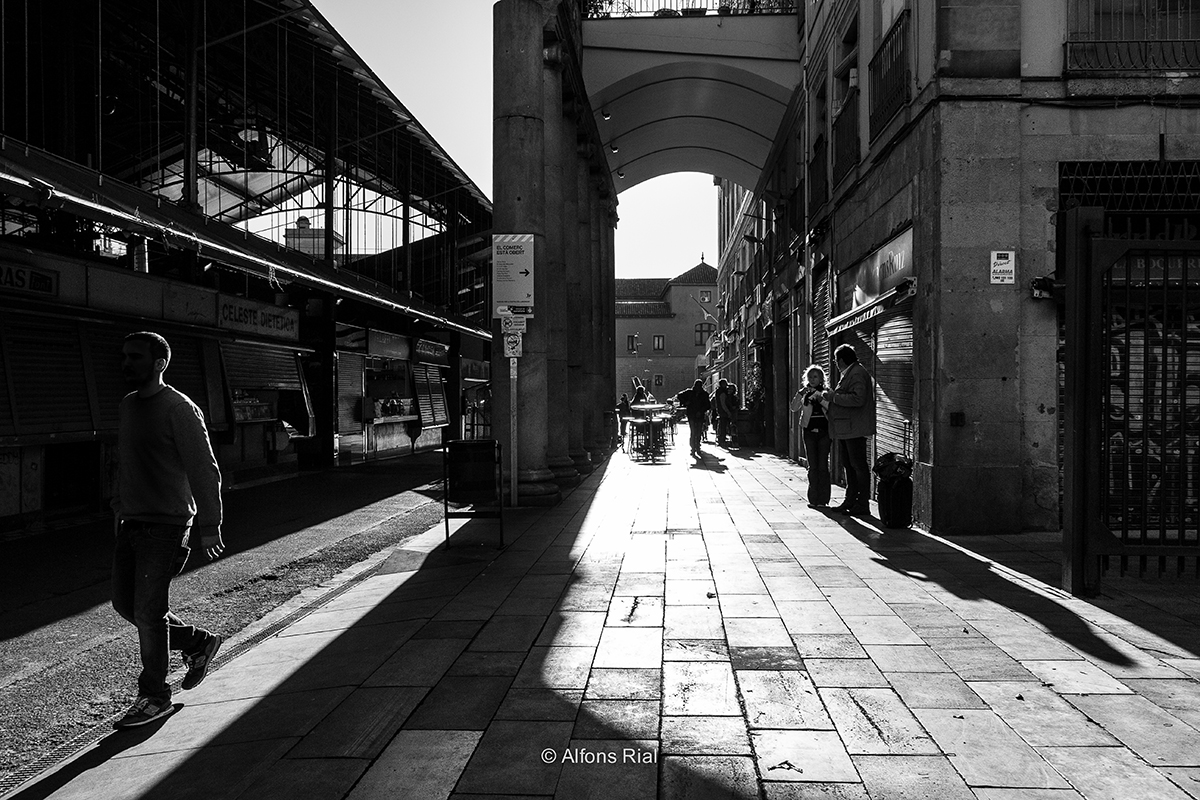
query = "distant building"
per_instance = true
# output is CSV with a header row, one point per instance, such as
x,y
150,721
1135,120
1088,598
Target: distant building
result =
x,y
663,327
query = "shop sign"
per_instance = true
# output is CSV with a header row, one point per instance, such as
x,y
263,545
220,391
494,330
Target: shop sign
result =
x,y
391,345
247,316
28,280
429,352
883,270
857,319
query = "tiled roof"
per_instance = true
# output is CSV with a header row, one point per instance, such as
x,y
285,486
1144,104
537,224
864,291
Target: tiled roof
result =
x,y
643,308
641,288
702,274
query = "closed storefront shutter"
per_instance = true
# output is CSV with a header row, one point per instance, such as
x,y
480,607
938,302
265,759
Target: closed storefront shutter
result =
x,y
431,396
350,392
7,427
820,338
186,372
894,382
44,360
103,346
252,366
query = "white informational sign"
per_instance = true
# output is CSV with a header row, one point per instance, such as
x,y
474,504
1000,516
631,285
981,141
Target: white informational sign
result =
x,y
1004,266
514,323
512,274
512,345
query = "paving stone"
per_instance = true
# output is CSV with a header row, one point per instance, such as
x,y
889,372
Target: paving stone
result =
x,y
905,658
450,629
802,755
624,684
765,658
911,778
816,791
1026,794
987,752
933,690
1156,735
693,622
695,650
630,648
509,633
1186,778
556,668
697,735
845,672
756,632
977,659
640,583
572,629
1131,661
508,759
876,722
782,699
1173,695
463,703
708,778
540,704
792,589
418,764
834,577
528,606
361,726
419,662
635,611
747,605
1110,773
1076,677
690,592
1039,716
881,630
310,778
828,646
617,719
483,663
599,770
585,598
699,688
1023,641
1188,666
861,602
540,586
811,617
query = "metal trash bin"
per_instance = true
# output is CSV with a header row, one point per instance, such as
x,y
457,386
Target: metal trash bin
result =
x,y
471,475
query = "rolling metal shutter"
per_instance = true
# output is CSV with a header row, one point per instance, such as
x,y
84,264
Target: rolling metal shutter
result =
x,y
7,426
350,393
44,360
431,396
252,366
894,383
186,372
103,346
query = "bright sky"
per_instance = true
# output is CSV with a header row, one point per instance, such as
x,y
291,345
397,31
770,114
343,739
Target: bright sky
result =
x,y
436,56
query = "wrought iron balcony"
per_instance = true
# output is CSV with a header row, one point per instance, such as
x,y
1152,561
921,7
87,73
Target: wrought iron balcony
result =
x,y
1135,35
891,74
599,9
845,137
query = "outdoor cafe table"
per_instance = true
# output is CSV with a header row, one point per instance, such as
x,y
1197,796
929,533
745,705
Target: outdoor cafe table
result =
x,y
656,414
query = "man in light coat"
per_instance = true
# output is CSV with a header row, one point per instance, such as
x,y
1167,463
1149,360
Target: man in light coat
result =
x,y
851,412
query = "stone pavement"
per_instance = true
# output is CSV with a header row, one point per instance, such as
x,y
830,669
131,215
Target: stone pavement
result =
x,y
686,630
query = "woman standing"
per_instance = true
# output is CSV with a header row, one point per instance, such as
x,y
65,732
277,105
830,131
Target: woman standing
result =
x,y
814,425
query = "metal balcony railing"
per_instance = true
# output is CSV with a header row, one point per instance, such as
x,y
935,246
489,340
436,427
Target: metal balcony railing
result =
x,y
1133,35
598,9
845,137
891,74
818,174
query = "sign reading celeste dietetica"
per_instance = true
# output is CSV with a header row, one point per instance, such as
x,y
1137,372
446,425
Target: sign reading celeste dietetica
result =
x,y
240,314
512,274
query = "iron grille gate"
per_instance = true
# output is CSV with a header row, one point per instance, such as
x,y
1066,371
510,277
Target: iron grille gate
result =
x,y
1134,443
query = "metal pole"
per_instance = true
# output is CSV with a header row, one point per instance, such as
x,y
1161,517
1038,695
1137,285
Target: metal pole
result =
x,y
512,430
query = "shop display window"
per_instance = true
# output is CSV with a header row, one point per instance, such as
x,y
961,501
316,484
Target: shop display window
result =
x,y
389,391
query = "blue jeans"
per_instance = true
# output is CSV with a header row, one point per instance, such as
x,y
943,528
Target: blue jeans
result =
x,y
146,557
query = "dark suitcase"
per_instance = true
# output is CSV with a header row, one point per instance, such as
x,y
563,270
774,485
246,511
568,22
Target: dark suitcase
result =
x,y
895,495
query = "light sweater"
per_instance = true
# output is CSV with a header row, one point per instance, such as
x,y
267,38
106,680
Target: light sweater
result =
x,y
167,472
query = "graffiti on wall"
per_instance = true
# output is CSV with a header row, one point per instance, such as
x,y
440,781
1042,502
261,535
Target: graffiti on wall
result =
x,y
1151,449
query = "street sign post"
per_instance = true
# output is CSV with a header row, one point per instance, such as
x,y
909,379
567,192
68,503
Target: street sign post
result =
x,y
512,274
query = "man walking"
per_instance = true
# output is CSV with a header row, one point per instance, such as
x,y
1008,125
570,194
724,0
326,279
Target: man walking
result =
x,y
168,483
724,409
696,405
851,412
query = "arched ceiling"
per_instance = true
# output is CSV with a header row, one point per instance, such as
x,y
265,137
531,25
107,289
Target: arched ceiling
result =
x,y
703,94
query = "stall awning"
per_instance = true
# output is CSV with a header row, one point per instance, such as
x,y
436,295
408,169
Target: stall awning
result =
x,y
868,311
40,178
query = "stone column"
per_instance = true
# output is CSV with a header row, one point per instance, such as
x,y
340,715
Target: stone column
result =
x,y
558,407
519,208
593,370
577,230
610,304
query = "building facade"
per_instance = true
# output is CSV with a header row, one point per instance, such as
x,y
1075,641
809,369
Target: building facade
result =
x,y
919,207
663,329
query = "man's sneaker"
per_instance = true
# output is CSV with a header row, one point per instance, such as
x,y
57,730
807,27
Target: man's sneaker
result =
x,y
145,709
198,663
